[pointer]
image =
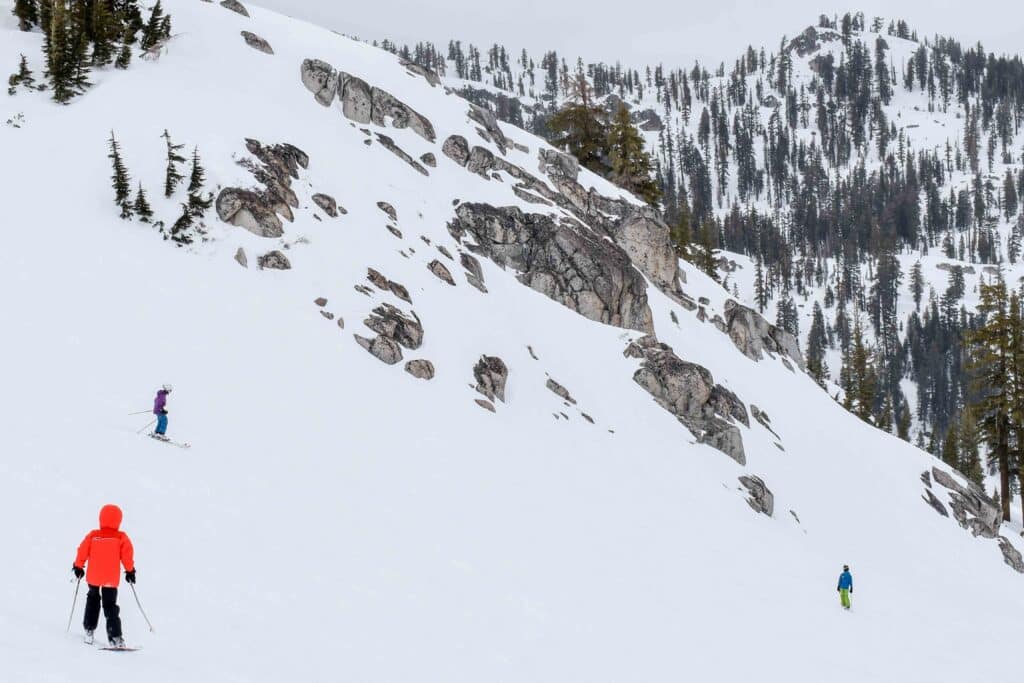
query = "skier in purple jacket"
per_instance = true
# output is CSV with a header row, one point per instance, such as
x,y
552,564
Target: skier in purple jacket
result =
x,y
160,410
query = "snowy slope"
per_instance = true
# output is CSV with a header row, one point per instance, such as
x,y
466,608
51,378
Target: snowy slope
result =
x,y
338,519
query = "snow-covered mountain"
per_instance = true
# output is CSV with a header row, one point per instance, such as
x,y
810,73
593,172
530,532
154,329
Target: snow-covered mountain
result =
x,y
457,412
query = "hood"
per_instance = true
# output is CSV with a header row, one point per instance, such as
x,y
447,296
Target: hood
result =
x,y
110,517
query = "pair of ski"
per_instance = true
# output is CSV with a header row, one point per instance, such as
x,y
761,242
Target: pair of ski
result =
x,y
111,648
179,444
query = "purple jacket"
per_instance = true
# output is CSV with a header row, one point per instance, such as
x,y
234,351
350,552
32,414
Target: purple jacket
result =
x,y
160,402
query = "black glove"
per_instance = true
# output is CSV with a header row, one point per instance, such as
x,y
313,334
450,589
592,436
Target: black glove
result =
x,y
78,572
164,411
130,576
851,591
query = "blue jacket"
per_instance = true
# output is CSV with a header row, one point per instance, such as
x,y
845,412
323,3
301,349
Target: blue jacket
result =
x,y
845,581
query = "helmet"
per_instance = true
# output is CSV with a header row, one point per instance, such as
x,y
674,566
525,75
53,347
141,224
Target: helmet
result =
x,y
846,567
168,388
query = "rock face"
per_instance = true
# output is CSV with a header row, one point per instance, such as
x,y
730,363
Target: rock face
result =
x,y
645,237
431,77
971,507
390,322
383,348
260,210
574,267
441,271
761,498
235,6
257,43
487,119
491,374
689,392
420,369
1011,555
360,101
934,502
327,204
274,260
753,335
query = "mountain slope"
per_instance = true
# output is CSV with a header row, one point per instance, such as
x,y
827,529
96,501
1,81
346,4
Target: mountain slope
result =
x,y
339,518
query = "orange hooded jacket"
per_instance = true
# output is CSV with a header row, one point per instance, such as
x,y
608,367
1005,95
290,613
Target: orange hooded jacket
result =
x,y
106,549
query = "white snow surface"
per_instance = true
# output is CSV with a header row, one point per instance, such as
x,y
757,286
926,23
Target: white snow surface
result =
x,y
337,519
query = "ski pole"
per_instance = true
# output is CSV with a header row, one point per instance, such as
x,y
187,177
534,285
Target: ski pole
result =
x,y
141,412
147,426
73,603
151,629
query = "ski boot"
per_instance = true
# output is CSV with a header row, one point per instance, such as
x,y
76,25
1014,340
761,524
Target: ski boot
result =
x,y
89,637
117,643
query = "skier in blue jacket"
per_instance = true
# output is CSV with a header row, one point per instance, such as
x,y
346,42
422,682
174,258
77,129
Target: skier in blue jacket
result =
x,y
845,587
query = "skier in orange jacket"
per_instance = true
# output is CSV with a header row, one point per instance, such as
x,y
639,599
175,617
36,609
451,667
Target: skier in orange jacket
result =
x,y
100,556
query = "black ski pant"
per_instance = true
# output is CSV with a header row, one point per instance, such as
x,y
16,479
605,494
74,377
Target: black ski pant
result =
x,y
111,612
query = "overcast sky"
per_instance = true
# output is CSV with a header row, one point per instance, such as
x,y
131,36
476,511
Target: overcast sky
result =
x,y
646,31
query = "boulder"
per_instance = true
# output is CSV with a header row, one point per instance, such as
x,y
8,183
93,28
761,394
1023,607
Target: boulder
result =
x,y
481,160
274,260
560,391
486,405
388,108
574,267
491,374
441,271
320,301
388,209
383,348
392,147
257,43
689,392
235,6
356,98
390,322
321,79
421,369
327,204
429,159
761,498
457,149
753,335
249,210
242,259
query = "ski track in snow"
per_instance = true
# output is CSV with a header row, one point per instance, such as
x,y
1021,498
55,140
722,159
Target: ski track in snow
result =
x,y
386,526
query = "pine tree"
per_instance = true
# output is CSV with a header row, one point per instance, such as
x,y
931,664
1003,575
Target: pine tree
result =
x,y
23,77
578,128
173,176
760,287
916,284
992,380
951,447
198,204
816,346
682,234
124,55
705,257
104,34
181,231
970,461
151,33
858,377
27,12
630,163
141,206
122,186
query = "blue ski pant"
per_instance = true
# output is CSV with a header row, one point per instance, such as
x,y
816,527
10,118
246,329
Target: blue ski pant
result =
x,y
161,424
